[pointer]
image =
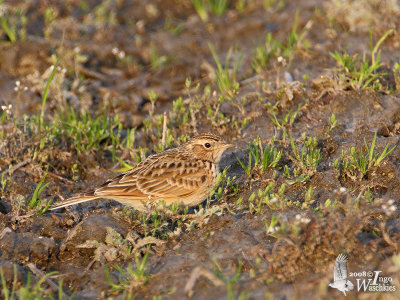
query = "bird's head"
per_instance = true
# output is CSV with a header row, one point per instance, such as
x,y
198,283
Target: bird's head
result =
x,y
207,146
349,286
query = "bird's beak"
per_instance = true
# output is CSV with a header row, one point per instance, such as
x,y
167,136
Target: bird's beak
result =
x,y
228,146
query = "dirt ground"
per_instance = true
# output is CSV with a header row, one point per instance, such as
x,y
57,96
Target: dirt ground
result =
x,y
86,88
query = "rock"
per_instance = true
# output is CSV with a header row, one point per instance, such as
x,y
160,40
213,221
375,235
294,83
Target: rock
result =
x,y
5,207
26,246
93,228
10,270
45,225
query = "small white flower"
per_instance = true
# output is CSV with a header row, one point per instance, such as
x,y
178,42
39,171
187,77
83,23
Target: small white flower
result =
x,y
77,49
390,202
59,69
305,220
115,50
280,59
16,89
7,109
18,83
121,54
298,217
52,67
25,88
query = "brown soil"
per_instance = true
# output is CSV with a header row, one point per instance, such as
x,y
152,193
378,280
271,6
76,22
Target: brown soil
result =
x,y
163,43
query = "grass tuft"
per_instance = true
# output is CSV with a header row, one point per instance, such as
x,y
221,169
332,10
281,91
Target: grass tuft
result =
x,y
226,78
356,165
364,74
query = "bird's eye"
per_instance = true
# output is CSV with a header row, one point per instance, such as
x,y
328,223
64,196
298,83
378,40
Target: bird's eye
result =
x,y
207,145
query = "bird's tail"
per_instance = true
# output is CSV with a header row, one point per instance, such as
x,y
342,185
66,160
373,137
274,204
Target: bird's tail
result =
x,y
75,200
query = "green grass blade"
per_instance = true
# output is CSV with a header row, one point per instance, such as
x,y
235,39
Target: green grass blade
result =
x,y
378,44
371,150
46,92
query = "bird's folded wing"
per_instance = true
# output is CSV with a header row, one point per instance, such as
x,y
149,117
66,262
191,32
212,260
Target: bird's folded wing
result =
x,y
160,180
122,185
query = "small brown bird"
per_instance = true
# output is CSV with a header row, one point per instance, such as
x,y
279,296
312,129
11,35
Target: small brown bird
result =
x,y
183,175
